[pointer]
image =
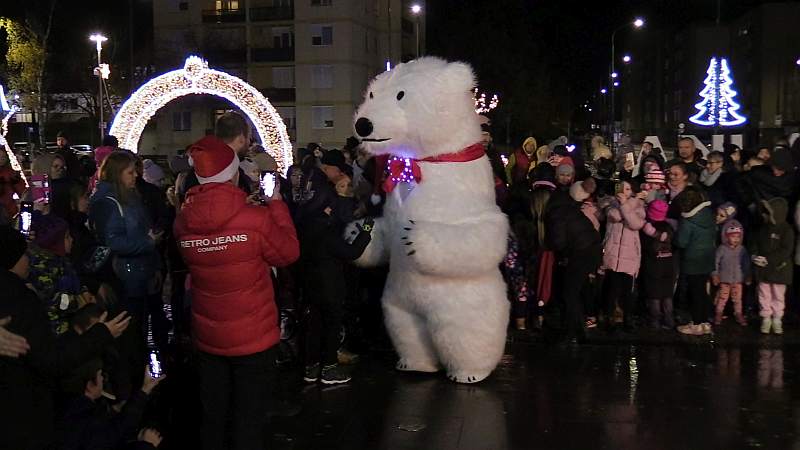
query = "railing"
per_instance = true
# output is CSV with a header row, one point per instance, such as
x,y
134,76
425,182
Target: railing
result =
x,y
279,94
271,13
272,54
238,55
223,15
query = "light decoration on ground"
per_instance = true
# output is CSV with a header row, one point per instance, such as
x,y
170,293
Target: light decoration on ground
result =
x,y
718,107
481,105
9,111
195,78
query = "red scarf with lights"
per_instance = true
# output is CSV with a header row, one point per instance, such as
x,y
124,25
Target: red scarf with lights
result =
x,y
407,169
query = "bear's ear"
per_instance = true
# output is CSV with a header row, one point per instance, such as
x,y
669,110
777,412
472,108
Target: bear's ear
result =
x,y
459,76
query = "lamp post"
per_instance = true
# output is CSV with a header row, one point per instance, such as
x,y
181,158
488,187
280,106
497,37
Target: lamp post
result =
x,y
99,39
638,23
416,10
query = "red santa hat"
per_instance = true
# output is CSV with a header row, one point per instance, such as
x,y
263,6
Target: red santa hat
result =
x,y
213,160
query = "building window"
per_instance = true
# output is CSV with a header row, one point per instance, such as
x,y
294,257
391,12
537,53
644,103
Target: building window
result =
x,y
282,37
322,117
182,121
321,35
322,77
288,115
183,6
223,5
283,77
321,2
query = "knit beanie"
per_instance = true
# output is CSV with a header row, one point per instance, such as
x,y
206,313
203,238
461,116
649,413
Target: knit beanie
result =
x,y
655,176
213,160
729,209
565,167
14,246
657,210
578,192
265,162
100,153
50,231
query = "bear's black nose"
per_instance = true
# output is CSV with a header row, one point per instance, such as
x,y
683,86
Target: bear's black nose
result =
x,y
363,127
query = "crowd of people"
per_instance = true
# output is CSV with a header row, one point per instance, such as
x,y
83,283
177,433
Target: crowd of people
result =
x,y
643,240
126,261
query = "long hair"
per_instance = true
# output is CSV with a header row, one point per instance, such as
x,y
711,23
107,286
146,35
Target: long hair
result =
x,y
539,200
111,172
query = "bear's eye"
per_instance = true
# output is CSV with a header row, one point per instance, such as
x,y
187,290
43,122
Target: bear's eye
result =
x,y
370,95
400,95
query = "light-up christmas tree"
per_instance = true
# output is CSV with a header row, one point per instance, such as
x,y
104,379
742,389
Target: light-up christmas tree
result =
x,y
718,107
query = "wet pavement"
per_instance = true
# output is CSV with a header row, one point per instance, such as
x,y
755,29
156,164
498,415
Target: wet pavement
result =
x,y
637,392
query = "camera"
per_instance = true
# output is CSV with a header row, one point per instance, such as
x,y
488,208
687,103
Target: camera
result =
x,y
155,365
25,218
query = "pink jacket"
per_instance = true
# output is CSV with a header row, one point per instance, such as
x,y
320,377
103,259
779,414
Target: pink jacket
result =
x,y
622,251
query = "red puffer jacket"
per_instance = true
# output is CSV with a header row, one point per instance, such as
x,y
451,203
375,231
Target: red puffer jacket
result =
x,y
10,183
229,247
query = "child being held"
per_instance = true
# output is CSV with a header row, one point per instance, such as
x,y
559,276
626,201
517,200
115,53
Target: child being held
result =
x,y
732,268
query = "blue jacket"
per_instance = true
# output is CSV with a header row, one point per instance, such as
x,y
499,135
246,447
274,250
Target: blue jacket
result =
x,y
124,228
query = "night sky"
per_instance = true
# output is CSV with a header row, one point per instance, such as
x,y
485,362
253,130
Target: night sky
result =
x,y
543,57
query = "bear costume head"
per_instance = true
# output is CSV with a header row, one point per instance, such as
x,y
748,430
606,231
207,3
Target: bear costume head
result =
x,y
419,109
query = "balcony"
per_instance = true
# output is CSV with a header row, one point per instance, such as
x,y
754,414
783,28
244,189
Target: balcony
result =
x,y
271,13
226,56
279,94
279,54
223,15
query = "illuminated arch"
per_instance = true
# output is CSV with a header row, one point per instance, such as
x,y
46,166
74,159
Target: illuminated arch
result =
x,y
197,78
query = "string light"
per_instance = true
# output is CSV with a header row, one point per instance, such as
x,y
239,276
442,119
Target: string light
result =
x,y
195,78
718,107
12,158
481,107
406,175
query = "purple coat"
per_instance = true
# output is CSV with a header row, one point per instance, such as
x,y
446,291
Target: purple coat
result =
x,y
622,250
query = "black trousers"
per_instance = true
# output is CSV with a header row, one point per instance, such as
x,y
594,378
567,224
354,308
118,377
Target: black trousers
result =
x,y
699,301
574,277
325,296
619,288
236,388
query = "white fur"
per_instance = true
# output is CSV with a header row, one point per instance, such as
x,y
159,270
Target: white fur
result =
x,y
445,304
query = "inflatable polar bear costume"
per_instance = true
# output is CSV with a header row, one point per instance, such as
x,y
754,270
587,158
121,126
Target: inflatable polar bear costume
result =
x,y
443,236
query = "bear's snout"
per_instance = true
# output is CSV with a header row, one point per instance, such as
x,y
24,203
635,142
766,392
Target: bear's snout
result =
x,y
363,127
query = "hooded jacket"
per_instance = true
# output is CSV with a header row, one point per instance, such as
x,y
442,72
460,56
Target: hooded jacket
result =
x,y
696,236
731,265
230,247
774,240
124,228
622,250
522,161
569,232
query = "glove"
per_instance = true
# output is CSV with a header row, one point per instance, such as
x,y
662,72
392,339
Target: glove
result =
x,y
760,261
369,222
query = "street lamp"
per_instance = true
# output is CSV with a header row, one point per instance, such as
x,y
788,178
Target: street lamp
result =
x,y
614,74
603,91
98,39
416,10
637,23
626,59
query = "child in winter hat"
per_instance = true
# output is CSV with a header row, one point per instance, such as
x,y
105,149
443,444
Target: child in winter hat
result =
x,y
732,268
658,269
565,172
655,185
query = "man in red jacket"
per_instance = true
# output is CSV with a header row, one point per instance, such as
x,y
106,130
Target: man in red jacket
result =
x,y
229,247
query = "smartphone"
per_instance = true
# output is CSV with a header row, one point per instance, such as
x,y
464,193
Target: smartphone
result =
x,y
618,188
629,158
40,188
267,184
25,217
155,365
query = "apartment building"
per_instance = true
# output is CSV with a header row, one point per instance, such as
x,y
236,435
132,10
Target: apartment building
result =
x,y
311,58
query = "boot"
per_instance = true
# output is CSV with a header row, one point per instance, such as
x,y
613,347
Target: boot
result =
x,y
766,324
740,319
777,325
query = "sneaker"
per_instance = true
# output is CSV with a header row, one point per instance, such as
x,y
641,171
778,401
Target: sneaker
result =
x,y
691,329
706,327
311,373
766,324
334,374
777,326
